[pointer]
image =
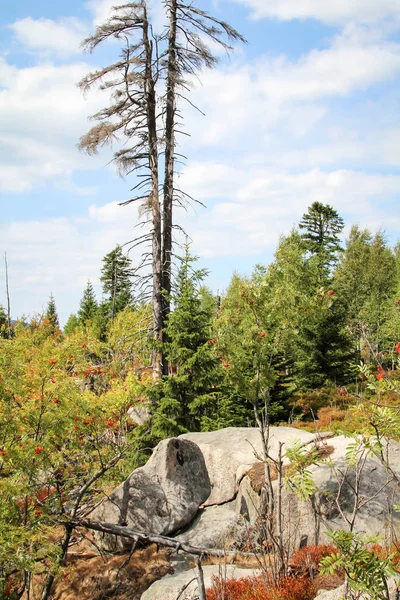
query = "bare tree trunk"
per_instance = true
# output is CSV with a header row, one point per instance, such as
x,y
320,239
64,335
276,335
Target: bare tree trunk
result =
x,y
8,298
279,529
200,579
168,187
64,550
151,115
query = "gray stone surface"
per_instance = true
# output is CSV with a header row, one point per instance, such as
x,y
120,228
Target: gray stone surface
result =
x,y
336,594
139,413
214,527
229,454
169,587
161,497
339,593
315,517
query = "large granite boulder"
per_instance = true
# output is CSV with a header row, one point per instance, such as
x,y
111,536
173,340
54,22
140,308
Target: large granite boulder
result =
x,y
159,498
215,526
311,519
230,453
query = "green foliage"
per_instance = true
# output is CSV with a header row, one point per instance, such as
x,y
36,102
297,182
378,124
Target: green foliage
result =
x,y
323,352
51,314
88,305
187,399
3,322
247,343
366,573
298,478
351,279
322,226
117,276
71,325
63,418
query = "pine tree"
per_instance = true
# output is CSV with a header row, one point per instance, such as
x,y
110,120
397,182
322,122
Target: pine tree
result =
x,y
322,226
187,399
88,305
51,314
117,276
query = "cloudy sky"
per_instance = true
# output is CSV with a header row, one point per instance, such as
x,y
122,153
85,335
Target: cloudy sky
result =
x,y
308,110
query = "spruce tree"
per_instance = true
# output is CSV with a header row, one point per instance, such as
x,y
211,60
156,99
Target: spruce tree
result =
x,y
117,276
51,314
186,399
88,305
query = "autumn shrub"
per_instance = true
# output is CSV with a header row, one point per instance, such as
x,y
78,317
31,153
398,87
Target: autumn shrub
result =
x,y
257,588
307,404
330,416
309,557
383,552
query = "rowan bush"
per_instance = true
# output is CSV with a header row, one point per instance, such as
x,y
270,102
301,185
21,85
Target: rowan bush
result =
x,y
382,552
257,588
309,557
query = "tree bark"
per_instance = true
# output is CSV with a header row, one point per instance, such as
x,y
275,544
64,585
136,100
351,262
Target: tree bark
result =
x,y
8,299
168,187
162,540
151,116
200,579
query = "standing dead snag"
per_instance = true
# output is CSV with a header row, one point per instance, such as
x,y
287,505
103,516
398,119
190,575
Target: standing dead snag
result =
x,y
186,54
132,116
146,85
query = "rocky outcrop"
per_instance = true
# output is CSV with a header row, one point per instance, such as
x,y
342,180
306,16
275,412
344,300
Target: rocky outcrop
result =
x,y
159,498
214,527
230,453
311,520
206,489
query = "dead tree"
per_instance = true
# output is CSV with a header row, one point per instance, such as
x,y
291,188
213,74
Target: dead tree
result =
x,y
186,54
8,327
132,117
147,83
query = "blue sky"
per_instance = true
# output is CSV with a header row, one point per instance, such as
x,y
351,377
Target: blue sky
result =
x,y
308,110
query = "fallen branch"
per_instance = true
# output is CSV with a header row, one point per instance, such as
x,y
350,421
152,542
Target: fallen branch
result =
x,y
162,540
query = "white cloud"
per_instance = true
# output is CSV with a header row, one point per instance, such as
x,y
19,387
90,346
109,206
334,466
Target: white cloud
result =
x,y
102,10
109,213
254,207
262,203
331,12
42,115
249,100
49,37
59,255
